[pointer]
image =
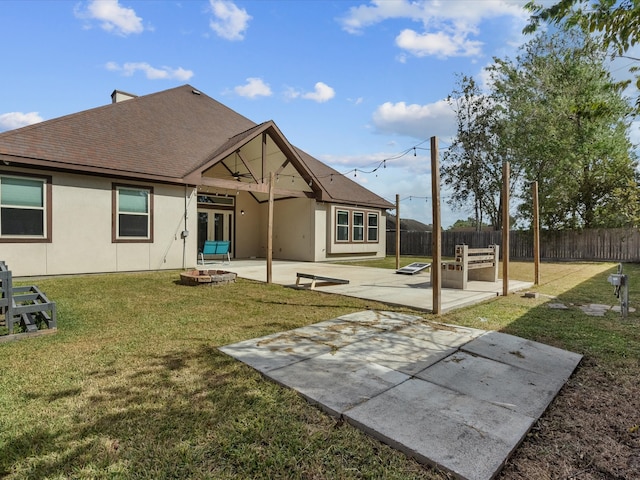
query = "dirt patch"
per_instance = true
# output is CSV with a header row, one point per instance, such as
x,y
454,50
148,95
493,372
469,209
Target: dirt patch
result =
x,y
588,432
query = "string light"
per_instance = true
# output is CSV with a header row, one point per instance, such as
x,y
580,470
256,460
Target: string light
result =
x,y
382,163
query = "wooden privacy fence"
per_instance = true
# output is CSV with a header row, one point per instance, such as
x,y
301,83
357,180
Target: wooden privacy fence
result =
x,y
619,245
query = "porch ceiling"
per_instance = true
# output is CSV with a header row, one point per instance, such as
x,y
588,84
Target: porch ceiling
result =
x,y
249,166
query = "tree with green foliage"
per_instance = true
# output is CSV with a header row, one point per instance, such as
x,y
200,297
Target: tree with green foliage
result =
x,y
618,22
472,165
470,222
565,125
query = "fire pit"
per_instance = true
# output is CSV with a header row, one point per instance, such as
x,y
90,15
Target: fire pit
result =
x,y
207,277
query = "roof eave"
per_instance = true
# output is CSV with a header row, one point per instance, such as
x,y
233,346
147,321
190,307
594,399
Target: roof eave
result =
x,y
25,162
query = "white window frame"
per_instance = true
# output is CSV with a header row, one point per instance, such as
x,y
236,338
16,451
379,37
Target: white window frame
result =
x,y
116,235
371,228
45,208
346,226
357,229
356,233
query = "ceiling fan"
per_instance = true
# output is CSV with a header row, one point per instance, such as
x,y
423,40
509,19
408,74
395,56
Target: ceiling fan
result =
x,y
236,174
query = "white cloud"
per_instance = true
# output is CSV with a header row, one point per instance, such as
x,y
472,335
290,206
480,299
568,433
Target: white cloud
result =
x,y
417,121
439,44
230,21
114,17
447,26
377,11
11,120
255,87
322,93
152,73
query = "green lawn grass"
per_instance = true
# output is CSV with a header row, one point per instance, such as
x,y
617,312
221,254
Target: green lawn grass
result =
x,y
132,384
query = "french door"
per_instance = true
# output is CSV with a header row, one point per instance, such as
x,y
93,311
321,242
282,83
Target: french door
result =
x,y
215,225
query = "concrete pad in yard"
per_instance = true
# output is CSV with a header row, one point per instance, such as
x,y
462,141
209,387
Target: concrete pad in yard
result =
x,y
465,436
405,354
381,320
552,362
523,391
440,333
336,333
336,381
275,351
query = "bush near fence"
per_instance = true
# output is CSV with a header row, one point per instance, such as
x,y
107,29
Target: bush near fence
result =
x,y
619,245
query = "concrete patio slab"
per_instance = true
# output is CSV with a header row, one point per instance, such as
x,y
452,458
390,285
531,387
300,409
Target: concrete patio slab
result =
x,y
523,391
400,352
378,284
336,333
533,356
458,398
440,334
275,351
437,426
359,380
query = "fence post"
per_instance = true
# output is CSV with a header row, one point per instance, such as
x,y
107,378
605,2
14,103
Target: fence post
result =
x,y
436,239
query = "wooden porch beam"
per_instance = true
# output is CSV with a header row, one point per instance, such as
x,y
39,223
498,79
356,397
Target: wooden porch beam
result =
x,y
253,173
252,187
264,155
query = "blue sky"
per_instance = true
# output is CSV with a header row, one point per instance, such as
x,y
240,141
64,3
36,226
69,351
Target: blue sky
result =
x,y
351,82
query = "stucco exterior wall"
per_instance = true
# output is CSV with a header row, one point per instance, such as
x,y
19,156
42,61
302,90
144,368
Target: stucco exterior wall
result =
x,y
354,250
247,239
292,229
303,231
81,231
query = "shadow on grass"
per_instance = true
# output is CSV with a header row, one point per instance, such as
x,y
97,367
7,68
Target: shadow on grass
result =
x,y
191,414
163,417
590,430
609,338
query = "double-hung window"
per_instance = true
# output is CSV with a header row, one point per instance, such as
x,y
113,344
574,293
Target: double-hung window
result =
x,y
356,226
24,208
133,212
372,227
342,226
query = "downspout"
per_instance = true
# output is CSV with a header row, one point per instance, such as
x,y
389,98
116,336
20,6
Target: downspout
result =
x,y
185,232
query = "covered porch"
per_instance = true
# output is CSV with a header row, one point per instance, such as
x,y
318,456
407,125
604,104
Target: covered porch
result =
x,y
267,197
